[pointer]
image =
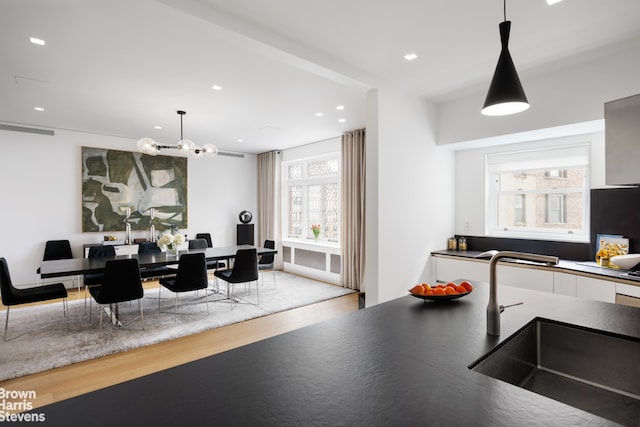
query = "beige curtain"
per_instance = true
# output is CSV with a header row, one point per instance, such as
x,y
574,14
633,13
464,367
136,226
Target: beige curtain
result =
x,y
269,210
352,223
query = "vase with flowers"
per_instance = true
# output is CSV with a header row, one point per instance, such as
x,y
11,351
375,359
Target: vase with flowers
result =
x,y
315,228
171,242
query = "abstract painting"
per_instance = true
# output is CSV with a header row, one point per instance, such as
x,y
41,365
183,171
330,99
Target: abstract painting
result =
x,y
113,181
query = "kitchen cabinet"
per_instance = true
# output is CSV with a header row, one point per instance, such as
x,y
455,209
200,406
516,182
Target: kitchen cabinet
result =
x,y
629,290
565,284
627,300
621,135
627,295
525,278
448,269
544,279
595,289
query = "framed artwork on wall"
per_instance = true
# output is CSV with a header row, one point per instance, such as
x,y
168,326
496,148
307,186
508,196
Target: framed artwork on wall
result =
x,y
114,180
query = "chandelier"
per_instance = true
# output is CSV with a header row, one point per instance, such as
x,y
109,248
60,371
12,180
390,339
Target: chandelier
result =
x,y
149,146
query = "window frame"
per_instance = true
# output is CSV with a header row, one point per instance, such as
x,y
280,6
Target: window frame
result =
x,y
521,162
305,182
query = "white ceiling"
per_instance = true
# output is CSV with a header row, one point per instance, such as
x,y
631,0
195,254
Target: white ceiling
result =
x,y
121,67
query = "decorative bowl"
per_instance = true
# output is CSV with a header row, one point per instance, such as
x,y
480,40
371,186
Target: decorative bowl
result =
x,y
440,297
626,262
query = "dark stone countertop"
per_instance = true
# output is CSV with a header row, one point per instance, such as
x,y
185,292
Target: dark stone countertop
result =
x,y
589,268
403,362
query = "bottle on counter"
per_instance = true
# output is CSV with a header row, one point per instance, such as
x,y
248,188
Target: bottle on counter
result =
x,y
452,243
462,243
602,258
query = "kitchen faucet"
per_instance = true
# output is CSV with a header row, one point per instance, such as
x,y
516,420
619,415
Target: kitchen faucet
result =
x,y
493,309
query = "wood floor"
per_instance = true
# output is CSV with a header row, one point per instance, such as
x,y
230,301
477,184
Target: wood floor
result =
x,y
69,381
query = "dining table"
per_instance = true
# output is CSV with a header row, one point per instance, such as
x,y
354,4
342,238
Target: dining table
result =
x,y
75,266
78,266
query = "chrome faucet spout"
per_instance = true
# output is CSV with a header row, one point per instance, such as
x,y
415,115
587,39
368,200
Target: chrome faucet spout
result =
x,y
493,309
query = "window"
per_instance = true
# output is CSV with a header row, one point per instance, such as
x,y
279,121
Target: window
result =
x,y
519,209
312,188
556,208
539,193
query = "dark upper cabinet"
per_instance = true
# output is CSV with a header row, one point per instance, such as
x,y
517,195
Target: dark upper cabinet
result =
x,y
622,141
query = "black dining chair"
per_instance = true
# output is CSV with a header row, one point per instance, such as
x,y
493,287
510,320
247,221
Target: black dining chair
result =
x,y
120,282
207,237
95,279
16,296
267,262
245,270
98,251
191,276
56,250
156,271
195,244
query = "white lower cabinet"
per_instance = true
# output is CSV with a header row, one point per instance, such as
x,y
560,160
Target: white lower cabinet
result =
x,y
538,279
595,289
584,287
525,278
565,284
449,269
629,290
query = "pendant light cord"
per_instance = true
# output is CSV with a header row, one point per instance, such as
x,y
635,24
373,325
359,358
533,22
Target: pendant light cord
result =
x,y
505,10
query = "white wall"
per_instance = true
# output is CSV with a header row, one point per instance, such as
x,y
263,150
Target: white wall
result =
x,y
410,197
41,195
470,177
574,94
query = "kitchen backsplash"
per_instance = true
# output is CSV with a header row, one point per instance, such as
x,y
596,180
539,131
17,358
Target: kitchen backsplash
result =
x,y
616,211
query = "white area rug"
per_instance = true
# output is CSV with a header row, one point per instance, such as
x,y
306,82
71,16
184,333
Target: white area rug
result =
x,y
38,338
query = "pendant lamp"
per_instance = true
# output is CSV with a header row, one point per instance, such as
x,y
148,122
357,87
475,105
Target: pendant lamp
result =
x,y
505,95
151,147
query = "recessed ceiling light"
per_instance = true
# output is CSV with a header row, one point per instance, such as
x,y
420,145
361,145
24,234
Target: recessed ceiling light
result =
x,y
157,127
216,87
38,108
37,41
410,56
240,140
342,120
340,107
550,2
319,114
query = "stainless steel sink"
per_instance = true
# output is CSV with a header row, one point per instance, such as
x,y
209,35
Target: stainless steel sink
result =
x,y
588,369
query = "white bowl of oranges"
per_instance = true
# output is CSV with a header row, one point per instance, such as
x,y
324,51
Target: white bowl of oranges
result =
x,y
441,292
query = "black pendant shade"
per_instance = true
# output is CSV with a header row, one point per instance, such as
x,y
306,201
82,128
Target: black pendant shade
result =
x,y
505,95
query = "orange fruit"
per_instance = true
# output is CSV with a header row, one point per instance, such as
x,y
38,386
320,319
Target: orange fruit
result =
x,y
461,289
440,285
467,286
426,287
450,290
417,290
453,285
438,291
430,292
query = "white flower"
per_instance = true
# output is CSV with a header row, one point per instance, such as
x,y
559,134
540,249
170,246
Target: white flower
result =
x,y
165,239
168,239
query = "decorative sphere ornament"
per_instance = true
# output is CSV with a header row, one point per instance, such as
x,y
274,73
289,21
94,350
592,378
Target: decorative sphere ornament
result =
x,y
245,217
